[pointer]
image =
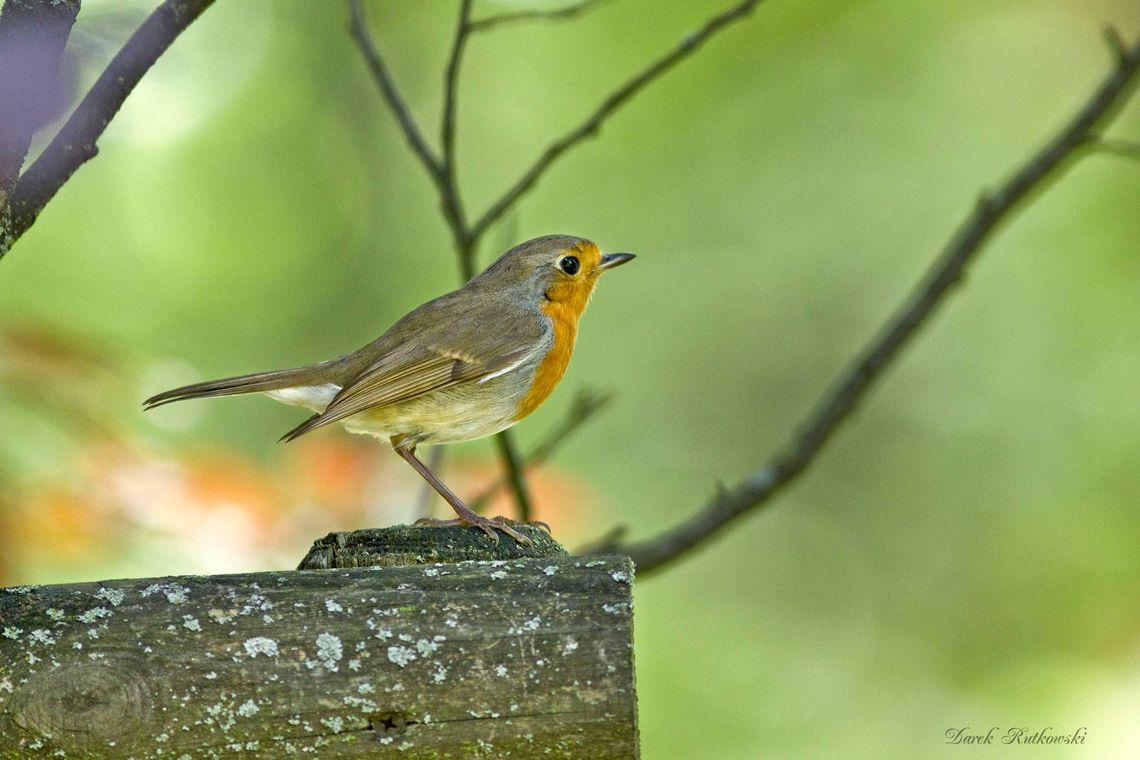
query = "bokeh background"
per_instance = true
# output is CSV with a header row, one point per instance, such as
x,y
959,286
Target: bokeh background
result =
x,y
965,554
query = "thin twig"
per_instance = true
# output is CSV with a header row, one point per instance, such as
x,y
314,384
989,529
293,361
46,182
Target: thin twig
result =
x,y
510,456
388,89
1115,42
442,170
467,243
586,404
838,403
1124,148
443,174
558,14
76,141
689,45
450,90
449,188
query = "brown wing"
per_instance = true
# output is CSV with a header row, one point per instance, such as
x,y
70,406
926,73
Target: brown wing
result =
x,y
414,370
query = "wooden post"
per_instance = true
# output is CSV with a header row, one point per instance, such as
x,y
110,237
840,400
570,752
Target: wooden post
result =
x,y
515,656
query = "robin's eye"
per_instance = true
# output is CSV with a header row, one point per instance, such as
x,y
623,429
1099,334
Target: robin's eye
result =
x,y
569,264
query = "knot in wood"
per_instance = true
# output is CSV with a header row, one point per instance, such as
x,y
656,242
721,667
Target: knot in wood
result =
x,y
82,704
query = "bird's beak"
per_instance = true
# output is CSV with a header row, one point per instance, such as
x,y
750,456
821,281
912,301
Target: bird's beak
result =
x,y
611,260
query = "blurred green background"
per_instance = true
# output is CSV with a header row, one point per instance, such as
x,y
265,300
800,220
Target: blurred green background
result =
x,y
965,554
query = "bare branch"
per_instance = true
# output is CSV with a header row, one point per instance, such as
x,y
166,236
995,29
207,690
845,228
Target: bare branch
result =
x,y
442,170
1124,148
510,456
450,95
837,404
387,86
32,38
76,142
1115,42
559,14
449,187
616,100
586,404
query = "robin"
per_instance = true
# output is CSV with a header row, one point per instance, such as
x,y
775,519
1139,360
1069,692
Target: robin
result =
x,y
463,366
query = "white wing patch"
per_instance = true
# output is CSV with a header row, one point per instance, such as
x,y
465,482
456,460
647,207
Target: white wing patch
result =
x,y
315,397
504,370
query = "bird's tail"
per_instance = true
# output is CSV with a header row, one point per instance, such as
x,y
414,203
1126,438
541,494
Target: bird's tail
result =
x,y
232,386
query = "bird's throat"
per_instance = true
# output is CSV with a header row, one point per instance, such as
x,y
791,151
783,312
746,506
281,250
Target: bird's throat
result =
x,y
564,319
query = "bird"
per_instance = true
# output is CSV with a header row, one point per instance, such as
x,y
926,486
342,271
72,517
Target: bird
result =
x,y
462,366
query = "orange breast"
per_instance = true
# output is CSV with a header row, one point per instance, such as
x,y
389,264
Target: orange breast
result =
x,y
553,365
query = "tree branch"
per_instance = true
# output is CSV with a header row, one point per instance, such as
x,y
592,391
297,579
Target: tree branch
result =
x,y
75,144
508,452
449,188
559,14
1115,43
443,174
384,81
33,34
616,100
586,404
442,170
758,488
1126,148
450,90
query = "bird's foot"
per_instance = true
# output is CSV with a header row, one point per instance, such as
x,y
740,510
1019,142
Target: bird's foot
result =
x,y
537,524
486,524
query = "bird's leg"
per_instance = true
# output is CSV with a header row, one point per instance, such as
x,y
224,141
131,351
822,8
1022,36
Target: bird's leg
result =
x,y
466,517
433,462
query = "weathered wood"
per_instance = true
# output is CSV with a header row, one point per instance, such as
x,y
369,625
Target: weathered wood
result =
x,y
413,545
521,658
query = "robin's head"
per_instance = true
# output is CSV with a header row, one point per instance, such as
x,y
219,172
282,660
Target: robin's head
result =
x,y
556,269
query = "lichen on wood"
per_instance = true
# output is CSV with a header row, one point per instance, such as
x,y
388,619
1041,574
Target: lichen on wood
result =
x,y
420,545
504,658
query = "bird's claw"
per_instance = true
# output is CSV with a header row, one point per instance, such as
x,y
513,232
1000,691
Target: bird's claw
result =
x,y
486,524
539,524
